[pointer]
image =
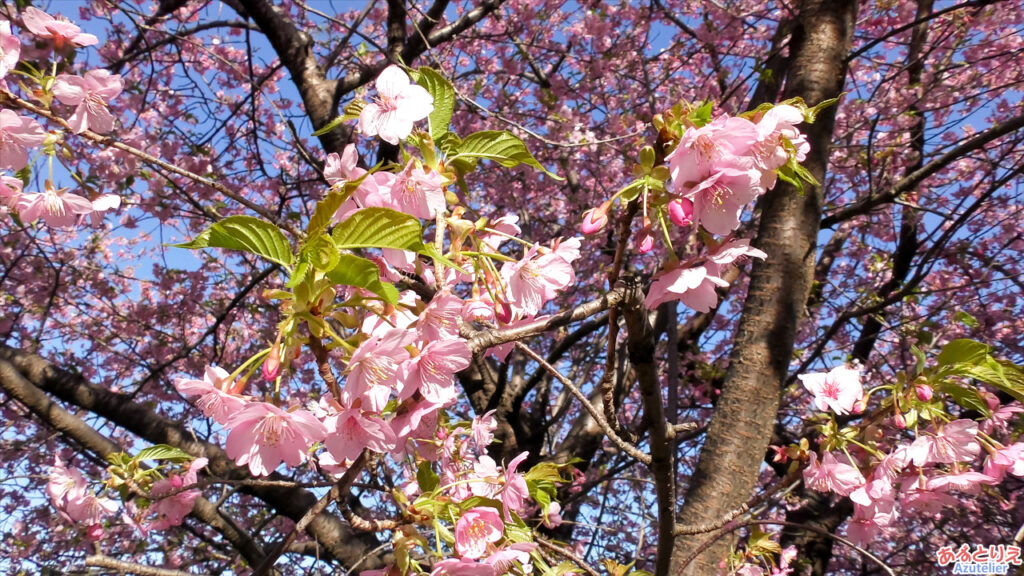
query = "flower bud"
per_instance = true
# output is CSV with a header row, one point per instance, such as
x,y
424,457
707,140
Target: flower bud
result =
x,y
272,365
680,212
503,312
924,392
594,220
899,421
646,240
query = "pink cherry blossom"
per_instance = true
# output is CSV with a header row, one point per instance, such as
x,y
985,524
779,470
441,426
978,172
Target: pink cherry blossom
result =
x,y
416,191
695,286
171,504
70,495
1007,459
398,104
777,124
477,528
90,94
500,229
10,192
59,29
432,372
373,370
838,390
17,135
680,212
703,151
955,442
350,431
535,280
10,50
505,559
594,220
719,199
462,567
513,497
58,208
969,482
440,319
262,436
213,401
831,475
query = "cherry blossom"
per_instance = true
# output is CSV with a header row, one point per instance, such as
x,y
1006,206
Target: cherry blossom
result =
x,y
263,436
477,528
171,503
695,286
213,400
59,29
830,475
838,390
90,94
954,442
398,105
58,208
10,50
17,135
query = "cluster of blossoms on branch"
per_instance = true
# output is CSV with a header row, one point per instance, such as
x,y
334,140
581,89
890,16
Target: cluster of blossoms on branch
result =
x,y
887,477
40,79
715,168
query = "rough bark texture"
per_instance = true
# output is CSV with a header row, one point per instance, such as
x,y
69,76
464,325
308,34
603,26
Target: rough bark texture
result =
x,y
742,425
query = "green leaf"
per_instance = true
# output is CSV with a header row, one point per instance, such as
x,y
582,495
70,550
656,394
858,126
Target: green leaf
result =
x,y
247,234
298,275
352,270
811,114
702,116
324,213
444,100
330,126
966,319
426,477
786,174
379,228
502,147
968,398
163,452
963,351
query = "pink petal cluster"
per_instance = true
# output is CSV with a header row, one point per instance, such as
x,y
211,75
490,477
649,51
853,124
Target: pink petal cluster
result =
x,y
90,94
70,495
17,135
831,475
170,502
10,50
477,528
58,208
837,390
695,286
213,400
61,31
263,436
399,103
537,278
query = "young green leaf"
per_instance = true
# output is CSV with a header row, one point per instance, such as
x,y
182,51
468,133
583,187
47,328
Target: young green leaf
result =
x,y
351,270
163,452
379,228
444,100
502,147
247,234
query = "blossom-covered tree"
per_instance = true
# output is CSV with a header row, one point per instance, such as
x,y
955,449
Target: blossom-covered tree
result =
x,y
510,286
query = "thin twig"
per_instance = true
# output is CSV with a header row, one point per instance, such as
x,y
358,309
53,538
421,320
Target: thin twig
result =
x,y
341,486
595,414
123,567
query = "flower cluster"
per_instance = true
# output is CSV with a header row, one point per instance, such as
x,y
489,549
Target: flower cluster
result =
x,y
70,495
89,94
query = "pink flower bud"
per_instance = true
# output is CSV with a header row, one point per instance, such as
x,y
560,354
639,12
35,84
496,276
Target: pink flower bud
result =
x,y
503,312
899,421
680,212
272,365
924,392
646,240
594,220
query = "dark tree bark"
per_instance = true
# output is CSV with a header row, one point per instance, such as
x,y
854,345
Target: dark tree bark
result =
x,y
742,424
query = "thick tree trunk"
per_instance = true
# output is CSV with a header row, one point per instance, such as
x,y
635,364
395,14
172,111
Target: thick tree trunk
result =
x,y
742,424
